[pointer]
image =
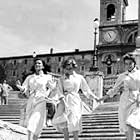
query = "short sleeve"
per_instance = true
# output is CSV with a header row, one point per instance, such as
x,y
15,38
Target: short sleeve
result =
x,y
25,84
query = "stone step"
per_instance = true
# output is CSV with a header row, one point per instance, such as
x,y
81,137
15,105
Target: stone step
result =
x,y
89,138
97,136
102,124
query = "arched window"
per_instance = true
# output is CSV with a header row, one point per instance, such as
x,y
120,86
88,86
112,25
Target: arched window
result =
x,y
111,12
132,37
135,35
109,69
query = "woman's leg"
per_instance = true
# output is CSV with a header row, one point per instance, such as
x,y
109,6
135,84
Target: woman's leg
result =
x,y
35,137
36,120
1,100
75,135
31,136
66,134
4,100
131,134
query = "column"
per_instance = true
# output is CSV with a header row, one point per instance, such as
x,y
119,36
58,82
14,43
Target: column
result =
x,y
138,38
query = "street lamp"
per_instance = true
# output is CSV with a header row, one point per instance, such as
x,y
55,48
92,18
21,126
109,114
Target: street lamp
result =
x,y
34,56
96,26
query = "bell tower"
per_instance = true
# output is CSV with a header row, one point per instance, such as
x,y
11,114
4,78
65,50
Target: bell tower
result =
x,y
113,32
112,11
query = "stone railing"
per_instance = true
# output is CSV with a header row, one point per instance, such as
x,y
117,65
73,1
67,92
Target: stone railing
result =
x,y
10,131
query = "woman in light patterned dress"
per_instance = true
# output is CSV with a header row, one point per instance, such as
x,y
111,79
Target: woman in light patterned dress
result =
x,y
69,85
36,87
129,83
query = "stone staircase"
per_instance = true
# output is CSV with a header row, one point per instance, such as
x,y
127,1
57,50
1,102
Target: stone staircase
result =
x,y
102,124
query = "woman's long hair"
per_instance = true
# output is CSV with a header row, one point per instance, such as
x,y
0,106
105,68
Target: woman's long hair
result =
x,y
46,69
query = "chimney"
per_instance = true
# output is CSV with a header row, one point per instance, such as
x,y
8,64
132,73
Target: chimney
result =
x,y
76,50
51,51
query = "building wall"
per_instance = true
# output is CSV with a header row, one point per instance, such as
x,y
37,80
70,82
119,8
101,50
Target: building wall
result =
x,y
18,67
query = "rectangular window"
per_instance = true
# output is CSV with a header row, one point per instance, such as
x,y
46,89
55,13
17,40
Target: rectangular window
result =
x,y
48,59
82,68
14,73
15,62
25,61
59,59
58,70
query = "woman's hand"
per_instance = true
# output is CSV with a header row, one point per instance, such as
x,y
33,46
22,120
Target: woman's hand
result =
x,y
94,97
97,99
51,85
103,98
19,86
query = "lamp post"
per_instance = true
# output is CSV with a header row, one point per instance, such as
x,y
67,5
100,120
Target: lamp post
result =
x,y
34,55
96,26
118,61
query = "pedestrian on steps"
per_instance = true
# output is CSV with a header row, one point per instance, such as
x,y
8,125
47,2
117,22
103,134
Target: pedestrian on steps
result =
x,y
37,87
128,83
1,91
5,92
67,118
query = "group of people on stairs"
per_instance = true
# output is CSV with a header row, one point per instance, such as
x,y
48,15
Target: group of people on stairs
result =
x,y
41,87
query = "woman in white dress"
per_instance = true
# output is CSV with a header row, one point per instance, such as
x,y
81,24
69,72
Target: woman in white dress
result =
x,y
37,86
70,120
129,84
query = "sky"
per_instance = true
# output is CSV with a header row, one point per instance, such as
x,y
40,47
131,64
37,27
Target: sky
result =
x,y
39,25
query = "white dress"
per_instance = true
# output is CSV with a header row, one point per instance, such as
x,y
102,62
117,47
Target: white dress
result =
x,y
131,83
73,104
35,88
